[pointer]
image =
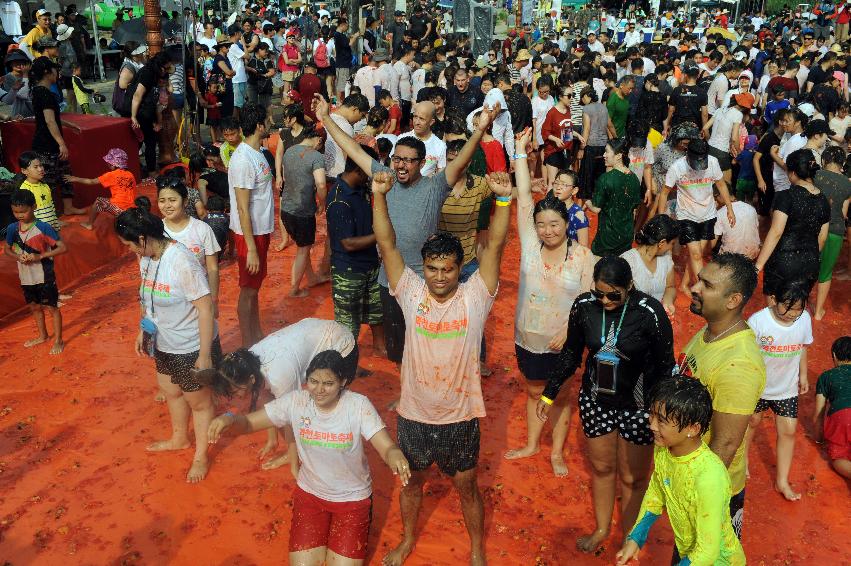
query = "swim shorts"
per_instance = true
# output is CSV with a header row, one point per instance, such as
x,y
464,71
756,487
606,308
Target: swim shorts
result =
x,y
179,366
246,279
453,447
341,526
780,407
633,425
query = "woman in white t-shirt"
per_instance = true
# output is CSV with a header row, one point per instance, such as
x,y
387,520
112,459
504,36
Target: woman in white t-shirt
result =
x,y
651,262
178,329
553,272
276,366
332,501
724,142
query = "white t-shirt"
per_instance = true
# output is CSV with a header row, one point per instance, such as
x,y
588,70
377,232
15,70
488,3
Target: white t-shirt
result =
x,y
330,445
722,127
793,143
540,107
198,238
237,63
208,41
10,15
781,347
169,285
417,82
655,283
335,158
638,158
286,353
435,159
840,126
744,237
694,189
250,170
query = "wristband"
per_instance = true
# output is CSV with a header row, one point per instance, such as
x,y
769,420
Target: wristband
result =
x,y
520,156
546,400
229,414
506,198
503,203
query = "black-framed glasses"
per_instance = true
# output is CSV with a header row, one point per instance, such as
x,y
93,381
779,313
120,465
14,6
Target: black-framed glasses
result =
x,y
613,296
406,160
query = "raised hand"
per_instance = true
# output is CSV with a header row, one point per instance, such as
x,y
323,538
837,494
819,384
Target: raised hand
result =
x,y
382,182
320,106
521,140
487,116
499,182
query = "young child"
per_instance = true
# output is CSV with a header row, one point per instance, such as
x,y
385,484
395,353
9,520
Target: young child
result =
x,y
689,481
218,220
746,182
783,331
33,243
33,170
565,189
214,111
82,92
118,180
394,122
778,101
833,390
232,135
743,238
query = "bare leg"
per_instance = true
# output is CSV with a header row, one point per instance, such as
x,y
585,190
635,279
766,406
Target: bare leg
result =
x,y
379,347
285,238
38,315
69,209
755,421
695,258
410,501
301,266
603,453
313,557
256,330
324,271
201,403
534,425
334,559
58,343
90,223
178,409
245,313
560,417
474,513
785,450
634,466
821,298
842,467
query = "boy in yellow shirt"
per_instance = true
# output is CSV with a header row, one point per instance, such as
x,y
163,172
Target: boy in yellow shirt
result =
x,y
45,210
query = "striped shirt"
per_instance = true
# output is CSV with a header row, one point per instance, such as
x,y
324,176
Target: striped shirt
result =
x,y
460,216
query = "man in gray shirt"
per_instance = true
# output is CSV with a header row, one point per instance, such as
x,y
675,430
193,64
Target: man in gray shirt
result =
x,y
414,203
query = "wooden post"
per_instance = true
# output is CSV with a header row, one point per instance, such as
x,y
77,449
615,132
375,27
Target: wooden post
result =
x,y
154,39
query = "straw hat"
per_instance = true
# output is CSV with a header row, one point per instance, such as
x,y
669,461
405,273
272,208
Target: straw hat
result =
x,y
523,55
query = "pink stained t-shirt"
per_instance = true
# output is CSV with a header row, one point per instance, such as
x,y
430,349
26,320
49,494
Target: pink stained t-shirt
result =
x,y
441,379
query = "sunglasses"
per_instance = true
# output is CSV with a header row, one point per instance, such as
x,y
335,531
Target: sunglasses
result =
x,y
613,296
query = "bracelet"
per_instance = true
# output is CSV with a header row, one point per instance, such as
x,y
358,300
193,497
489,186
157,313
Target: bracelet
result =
x,y
546,400
520,156
506,198
229,414
503,203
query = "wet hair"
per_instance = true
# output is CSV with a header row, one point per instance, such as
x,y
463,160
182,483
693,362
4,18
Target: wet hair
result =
x,y
590,93
621,148
788,293
636,133
377,116
174,183
385,146
551,202
574,177
138,223
26,158
382,94
802,163
234,372
841,349
685,401
129,47
833,154
455,146
23,197
251,116
613,270
215,203
143,202
658,229
454,123
229,124
741,274
330,360
443,244
357,101
415,144
40,67
294,111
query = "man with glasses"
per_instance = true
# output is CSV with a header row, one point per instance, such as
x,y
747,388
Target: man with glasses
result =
x,y
632,37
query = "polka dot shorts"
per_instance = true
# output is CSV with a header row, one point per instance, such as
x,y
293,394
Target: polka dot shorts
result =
x,y
633,425
780,407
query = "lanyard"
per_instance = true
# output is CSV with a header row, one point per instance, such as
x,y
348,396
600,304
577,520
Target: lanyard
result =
x,y
617,330
153,285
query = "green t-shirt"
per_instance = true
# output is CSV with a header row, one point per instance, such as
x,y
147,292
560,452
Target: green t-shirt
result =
x,y
618,112
835,385
617,194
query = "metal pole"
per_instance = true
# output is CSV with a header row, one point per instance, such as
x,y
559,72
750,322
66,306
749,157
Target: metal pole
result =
x,y
98,55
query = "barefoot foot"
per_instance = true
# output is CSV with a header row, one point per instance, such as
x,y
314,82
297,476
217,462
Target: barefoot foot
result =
x,y
275,462
485,371
318,280
787,492
57,348
160,397
298,293
36,341
478,559
399,554
166,445
591,542
820,314
198,471
559,465
525,452
86,225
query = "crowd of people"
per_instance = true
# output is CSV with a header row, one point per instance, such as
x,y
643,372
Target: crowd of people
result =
x,y
616,159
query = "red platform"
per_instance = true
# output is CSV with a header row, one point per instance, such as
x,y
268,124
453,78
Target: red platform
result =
x,y
89,137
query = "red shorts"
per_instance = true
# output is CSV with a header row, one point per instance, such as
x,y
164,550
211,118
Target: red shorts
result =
x,y
262,242
837,435
342,527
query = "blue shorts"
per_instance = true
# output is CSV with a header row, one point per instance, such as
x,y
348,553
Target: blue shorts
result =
x,y
239,94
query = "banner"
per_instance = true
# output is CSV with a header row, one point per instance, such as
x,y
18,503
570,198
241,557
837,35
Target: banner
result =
x,y
526,13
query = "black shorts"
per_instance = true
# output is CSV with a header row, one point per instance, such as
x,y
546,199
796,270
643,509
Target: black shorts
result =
x,y
179,366
394,326
558,160
725,160
46,294
302,229
691,231
781,407
453,447
536,367
633,425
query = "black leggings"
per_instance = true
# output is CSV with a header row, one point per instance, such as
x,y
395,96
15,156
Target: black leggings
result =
x,y
150,145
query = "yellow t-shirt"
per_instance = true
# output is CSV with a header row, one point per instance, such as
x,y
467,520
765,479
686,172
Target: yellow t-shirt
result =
x,y
45,210
31,39
734,372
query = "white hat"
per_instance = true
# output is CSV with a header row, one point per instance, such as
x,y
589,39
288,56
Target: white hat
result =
x,y
63,32
140,50
808,109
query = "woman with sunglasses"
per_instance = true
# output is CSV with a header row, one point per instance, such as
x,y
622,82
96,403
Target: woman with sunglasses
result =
x,y
553,272
557,133
178,329
630,348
